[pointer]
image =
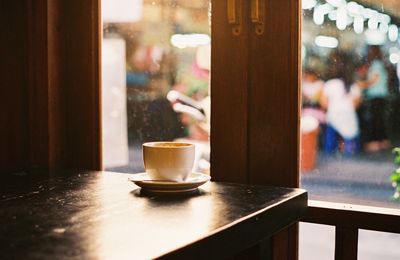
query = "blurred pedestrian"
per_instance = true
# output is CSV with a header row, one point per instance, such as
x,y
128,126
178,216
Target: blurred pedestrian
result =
x,y
361,79
340,97
374,102
311,90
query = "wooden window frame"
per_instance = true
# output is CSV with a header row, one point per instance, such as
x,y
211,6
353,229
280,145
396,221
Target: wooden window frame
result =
x,y
348,219
255,102
51,118
264,149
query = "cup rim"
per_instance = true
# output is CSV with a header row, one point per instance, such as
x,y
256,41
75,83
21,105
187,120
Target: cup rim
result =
x,y
182,145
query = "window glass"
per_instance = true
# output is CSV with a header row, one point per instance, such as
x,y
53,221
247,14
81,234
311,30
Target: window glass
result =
x,y
378,245
350,120
155,67
316,241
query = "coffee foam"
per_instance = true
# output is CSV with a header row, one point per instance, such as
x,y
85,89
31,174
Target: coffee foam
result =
x,y
167,144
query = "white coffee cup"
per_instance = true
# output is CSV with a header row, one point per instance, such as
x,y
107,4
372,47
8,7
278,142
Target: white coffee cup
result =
x,y
170,161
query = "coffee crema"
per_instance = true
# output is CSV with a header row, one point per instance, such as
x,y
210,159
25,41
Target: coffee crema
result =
x,y
167,144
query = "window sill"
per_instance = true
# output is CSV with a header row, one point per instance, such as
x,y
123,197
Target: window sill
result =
x,y
353,216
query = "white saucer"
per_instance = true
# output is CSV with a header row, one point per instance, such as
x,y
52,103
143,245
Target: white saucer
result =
x,y
194,180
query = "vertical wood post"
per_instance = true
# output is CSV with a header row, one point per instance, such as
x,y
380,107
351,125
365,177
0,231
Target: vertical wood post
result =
x,y
13,85
255,102
346,243
50,112
229,102
273,125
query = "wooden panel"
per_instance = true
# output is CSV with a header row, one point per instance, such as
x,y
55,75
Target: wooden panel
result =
x,y
353,216
81,31
50,113
64,103
13,85
274,97
346,243
293,241
38,92
229,80
280,245
285,243
273,137
57,94
263,250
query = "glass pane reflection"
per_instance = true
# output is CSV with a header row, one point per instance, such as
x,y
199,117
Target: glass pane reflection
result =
x,y
350,100
156,61
320,246
378,245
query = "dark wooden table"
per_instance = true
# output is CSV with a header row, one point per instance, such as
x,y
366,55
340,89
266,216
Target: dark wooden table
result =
x,y
102,215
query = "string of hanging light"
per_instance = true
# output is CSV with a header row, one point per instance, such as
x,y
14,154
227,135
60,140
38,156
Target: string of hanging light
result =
x,y
346,14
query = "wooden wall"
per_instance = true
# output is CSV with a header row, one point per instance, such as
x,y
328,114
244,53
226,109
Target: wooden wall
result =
x,y
255,102
255,96
13,85
50,114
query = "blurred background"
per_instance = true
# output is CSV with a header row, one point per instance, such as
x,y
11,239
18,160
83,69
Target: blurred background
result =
x,y
156,62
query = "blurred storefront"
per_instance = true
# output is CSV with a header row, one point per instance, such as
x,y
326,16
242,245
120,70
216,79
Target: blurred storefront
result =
x,y
161,40
337,27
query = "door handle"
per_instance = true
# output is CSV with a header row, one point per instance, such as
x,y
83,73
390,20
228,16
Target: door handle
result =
x,y
258,15
234,15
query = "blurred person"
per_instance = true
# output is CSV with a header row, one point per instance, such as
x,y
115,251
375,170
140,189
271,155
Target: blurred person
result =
x,y
340,97
311,90
398,75
192,100
392,106
361,79
375,97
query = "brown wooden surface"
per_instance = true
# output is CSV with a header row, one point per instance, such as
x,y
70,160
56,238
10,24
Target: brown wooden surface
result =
x,y
293,241
273,137
81,81
353,216
50,113
273,97
102,215
38,129
229,84
285,243
56,89
65,104
255,105
64,76
13,85
254,124
346,243
263,250
280,245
